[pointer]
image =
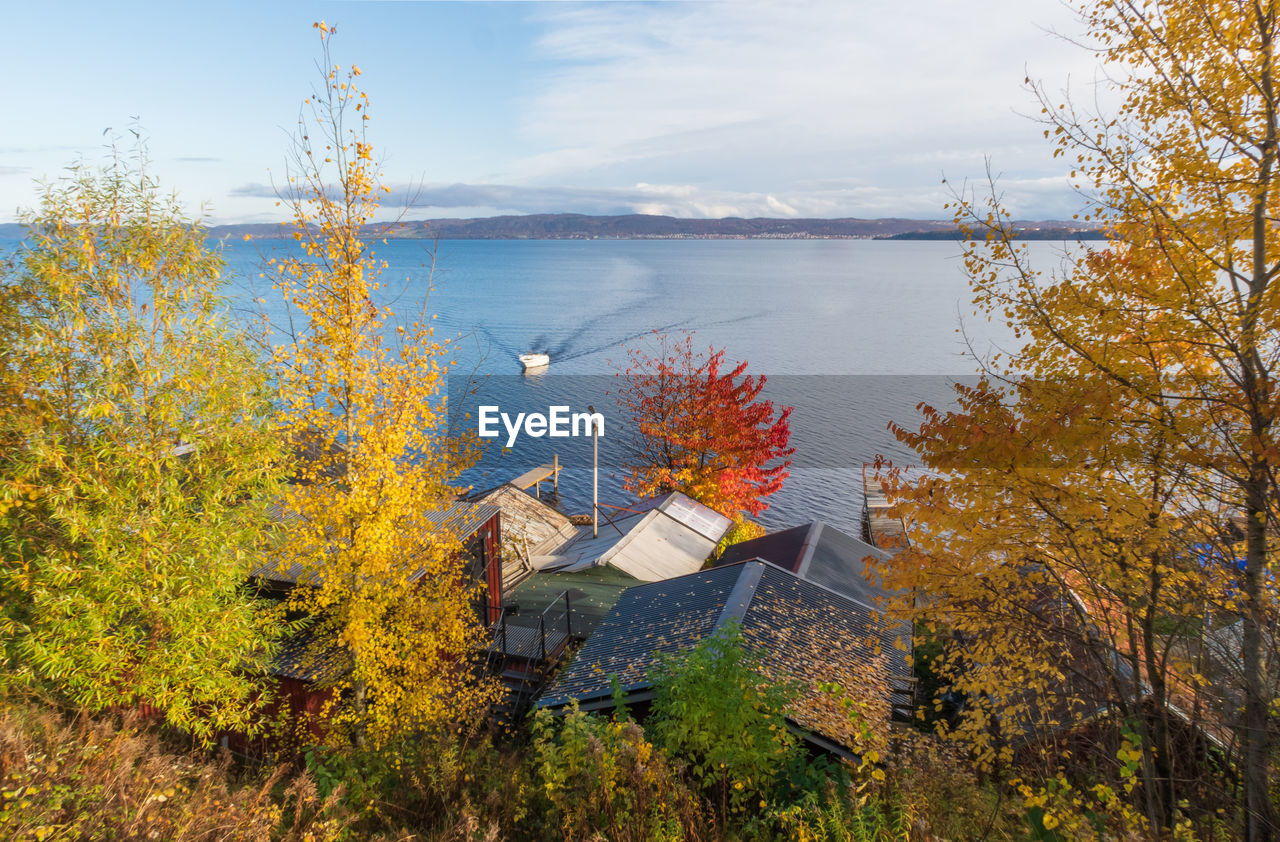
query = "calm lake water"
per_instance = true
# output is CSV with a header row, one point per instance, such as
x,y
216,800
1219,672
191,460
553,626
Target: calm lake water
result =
x,y
853,333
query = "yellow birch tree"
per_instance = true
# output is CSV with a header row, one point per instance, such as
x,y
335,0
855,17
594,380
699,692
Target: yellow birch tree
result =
x,y
382,583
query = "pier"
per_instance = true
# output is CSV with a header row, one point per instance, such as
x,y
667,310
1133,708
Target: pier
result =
x,y
535,478
883,530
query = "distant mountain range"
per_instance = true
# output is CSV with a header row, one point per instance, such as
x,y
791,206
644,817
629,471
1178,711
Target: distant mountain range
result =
x,y
575,226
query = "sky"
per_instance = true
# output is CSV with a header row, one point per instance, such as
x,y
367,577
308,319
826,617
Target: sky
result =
x,y
693,108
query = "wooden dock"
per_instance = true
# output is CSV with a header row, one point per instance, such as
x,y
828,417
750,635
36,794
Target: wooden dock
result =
x,y
883,530
535,478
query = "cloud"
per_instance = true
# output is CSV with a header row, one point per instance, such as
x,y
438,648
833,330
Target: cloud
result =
x,y
812,108
510,198
676,200
682,200
35,150
756,97
821,200
14,170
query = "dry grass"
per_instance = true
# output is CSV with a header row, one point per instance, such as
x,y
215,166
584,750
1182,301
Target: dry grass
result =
x,y
79,778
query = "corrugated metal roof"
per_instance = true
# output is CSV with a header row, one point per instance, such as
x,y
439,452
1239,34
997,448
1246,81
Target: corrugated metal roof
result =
x,y
310,656
821,553
648,620
459,518
672,538
806,631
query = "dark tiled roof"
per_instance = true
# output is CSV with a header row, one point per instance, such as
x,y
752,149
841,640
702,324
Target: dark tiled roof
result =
x,y
807,632
815,635
783,548
839,561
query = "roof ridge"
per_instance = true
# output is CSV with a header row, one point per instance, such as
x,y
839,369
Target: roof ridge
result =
x,y
812,537
629,536
744,590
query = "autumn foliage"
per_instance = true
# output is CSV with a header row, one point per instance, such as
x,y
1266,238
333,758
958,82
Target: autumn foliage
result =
x,y
702,428
66,778
382,582
1098,528
138,457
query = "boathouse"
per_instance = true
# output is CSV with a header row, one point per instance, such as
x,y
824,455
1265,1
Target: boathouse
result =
x,y
307,662
807,633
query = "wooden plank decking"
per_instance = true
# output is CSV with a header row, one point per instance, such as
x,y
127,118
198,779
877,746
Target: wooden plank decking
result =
x,y
534,479
884,530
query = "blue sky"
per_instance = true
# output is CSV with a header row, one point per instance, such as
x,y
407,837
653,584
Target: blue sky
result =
x,y
700,108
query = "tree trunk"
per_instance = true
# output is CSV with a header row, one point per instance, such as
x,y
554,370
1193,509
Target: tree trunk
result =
x,y
360,700
1163,797
1259,824
1259,812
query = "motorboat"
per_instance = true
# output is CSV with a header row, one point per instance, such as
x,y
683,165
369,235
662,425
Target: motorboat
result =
x,y
532,360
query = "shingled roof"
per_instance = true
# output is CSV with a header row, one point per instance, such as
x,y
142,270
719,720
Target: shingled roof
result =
x,y
805,631
529,527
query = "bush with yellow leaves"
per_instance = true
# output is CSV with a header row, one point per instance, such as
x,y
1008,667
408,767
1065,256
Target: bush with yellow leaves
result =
x,y
604,779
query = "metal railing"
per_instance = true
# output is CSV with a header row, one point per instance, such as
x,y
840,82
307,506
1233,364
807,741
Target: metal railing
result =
x,y
551,633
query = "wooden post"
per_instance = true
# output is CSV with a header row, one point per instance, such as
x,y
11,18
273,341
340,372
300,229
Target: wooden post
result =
x,y
568,616
555,472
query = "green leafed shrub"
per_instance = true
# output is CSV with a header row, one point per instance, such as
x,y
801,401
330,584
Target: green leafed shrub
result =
x,y
137,459
713,706
829,817
442,785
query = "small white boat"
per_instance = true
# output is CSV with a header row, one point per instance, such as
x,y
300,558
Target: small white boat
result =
x,y
534,360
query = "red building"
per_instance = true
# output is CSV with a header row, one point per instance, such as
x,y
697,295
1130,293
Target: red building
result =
x,y
302,669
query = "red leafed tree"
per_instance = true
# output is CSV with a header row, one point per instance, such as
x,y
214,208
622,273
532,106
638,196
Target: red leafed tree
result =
x,y
702,428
